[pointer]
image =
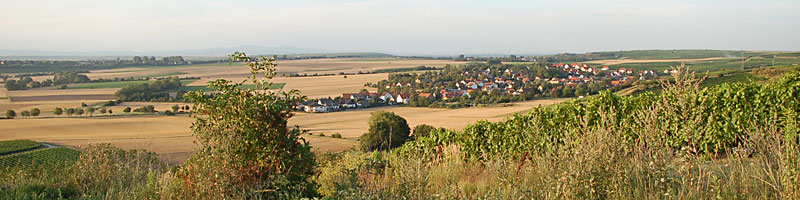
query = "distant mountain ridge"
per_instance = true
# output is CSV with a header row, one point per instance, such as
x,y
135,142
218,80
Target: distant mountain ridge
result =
x,y
264,50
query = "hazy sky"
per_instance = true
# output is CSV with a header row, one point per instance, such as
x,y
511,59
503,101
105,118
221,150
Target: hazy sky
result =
x,y
402,26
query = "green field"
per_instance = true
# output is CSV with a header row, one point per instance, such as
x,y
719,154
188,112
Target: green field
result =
x,y
675,54
712,65
247,86
17,145
117,84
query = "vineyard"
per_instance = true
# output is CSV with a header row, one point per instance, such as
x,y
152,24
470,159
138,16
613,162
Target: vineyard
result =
x,y
7,147
731,141
706,121
48,158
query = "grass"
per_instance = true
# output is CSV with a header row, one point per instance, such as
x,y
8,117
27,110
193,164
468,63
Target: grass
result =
x,y
247,86
17,145
711,65
117,84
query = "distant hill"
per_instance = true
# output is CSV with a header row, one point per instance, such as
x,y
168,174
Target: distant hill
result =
x,y
191,52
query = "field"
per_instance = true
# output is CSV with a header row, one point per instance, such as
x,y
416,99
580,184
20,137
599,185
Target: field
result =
x,y
171,139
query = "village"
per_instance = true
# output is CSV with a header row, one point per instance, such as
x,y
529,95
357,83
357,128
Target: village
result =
x,y
500,83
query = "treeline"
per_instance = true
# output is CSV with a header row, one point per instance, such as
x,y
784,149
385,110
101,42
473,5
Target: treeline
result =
x,y
33,66
59,78
406,69
150,91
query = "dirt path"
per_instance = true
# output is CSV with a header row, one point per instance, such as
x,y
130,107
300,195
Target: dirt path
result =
x,y
42,145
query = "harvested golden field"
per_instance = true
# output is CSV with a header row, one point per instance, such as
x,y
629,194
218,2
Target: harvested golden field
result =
x,y
351,124
171,138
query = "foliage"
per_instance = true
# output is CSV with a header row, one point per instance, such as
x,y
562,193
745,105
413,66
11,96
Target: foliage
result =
x,y
17,145
386,131
10,114
102,164
246,149
423,130
149,91
58,111
143,109
705,121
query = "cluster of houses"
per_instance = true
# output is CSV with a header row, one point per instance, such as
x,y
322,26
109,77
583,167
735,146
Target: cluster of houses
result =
x,y
352,101
512,82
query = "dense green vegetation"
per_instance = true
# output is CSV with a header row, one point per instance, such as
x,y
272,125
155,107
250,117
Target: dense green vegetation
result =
x,y
245,86
118,84
150,91
17,145
59,78
33,66
386,131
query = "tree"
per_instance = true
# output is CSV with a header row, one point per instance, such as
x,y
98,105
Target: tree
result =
x,y
126,110
35,112
90,111
386,131
246,146
25,113
110,112
10,114
175,108
103,110
79,112
58,111
423,130
70,111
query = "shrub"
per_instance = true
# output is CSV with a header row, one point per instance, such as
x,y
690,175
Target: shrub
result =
x,y
336,135
386,131
246,149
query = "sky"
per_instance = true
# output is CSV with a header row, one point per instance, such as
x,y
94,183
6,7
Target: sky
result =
x,y
402,27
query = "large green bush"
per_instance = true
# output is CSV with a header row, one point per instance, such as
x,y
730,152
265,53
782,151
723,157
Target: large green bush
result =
x,y
246,148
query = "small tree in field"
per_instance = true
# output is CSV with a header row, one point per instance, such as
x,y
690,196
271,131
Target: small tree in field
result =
x,y
386,131
175,108
110,112
126,110
102,110
246,148
90,110
10,114
79,112
70,111
25,113
58,111
35,112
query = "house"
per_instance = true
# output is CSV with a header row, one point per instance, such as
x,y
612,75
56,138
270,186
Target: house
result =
x,y
386,97
348,103
316,108
403,98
